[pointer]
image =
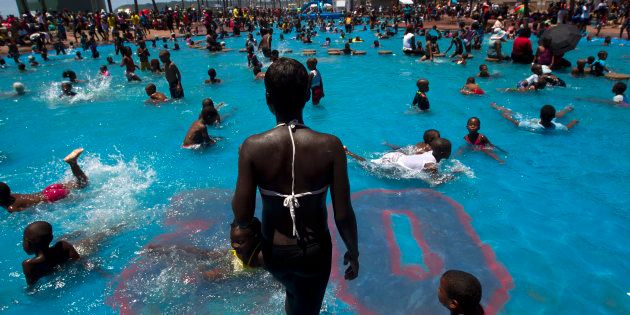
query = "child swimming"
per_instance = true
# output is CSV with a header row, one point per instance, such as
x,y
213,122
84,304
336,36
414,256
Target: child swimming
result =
x,y
471,88
483,71
52,193
478,141
103,71
66,90
545,122
429,136
598,67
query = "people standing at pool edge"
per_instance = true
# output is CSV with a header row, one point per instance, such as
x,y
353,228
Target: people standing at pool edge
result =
x,y
52,193
296,243
172,74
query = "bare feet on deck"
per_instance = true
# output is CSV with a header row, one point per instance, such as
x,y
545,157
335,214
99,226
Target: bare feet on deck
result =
x,y
73,156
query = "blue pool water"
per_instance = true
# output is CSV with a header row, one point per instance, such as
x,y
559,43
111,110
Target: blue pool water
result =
x,y
555,215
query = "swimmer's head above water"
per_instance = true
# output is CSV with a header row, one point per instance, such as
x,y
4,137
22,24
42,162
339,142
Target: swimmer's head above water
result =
x,y
246,242
6,199
37,237
19,88
441,149
460,292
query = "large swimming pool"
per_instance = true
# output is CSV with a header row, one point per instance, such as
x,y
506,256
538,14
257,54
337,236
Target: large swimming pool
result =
x,y
555,215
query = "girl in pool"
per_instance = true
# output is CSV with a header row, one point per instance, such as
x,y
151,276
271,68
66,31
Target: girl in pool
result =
x,y
471,88
296,244
478,141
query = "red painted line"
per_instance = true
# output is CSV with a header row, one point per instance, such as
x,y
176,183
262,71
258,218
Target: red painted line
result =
x,y
498,297
430,259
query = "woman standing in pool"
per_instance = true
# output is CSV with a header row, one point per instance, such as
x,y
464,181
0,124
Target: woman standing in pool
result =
x,y
293,166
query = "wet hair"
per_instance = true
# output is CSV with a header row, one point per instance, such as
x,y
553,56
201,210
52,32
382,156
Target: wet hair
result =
x,y
69,74
590,59
207,102
602,54
287,85
150,88
39,234
607,39
103,68
165,54
482,65
619,88
547,113
464,288
422,82
430,135
212,73
311,62
275,53
441,148
470,80
5,194
21,66
66,86
208,114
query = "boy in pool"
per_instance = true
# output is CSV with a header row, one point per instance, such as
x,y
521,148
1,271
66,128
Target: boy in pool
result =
x,y
66,90
477,140
110,60
212,73
315,78
78,56
460,293
426,162
216,118
420,100
52,193
130,66
531,82
546,122
347,50
471,88
197,134
71,76
173,76
154,95
483,71
598,67
37,238
620,98
143,53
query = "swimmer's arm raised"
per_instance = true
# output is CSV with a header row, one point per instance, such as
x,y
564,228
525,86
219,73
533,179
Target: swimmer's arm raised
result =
x,y
572,123
344,214
244,202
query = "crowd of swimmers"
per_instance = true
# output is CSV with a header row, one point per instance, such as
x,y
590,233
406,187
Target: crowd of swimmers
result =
x,y
289,85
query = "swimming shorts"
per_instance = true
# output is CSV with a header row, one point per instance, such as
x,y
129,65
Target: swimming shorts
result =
x,y
130,76
477,91
303,269
55,192
172,87
316,94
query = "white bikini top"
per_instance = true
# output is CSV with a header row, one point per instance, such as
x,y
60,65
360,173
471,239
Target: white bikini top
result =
x,y
291,201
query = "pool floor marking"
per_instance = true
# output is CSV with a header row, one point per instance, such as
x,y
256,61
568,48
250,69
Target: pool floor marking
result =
x,y
431,262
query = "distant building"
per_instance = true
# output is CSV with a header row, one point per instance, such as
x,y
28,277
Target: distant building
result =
x,y
60,5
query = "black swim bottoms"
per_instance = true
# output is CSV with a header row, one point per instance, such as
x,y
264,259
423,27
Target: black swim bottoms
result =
x,y
304,270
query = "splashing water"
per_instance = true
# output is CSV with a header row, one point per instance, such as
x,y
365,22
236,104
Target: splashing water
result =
x,y
94,89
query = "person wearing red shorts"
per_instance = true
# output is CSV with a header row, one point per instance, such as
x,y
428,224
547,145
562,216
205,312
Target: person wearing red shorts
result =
x,y
52,193
315,78
471,88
